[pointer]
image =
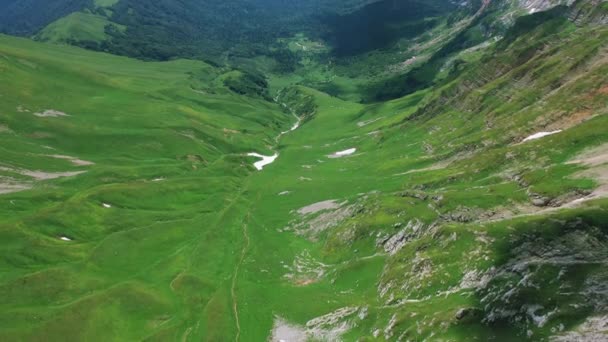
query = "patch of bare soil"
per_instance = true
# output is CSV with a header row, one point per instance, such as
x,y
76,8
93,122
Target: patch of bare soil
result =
x,y
599,174
39,135
74,160
4,129
597,161
368,122
7,188
593,157
230,131
22,109
437,166
188,134
603,90
565,120
508,212
316,207
41,175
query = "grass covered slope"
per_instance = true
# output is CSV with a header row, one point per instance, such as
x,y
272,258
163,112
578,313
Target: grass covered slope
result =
x,y
444,224
130,210
77,27
132,175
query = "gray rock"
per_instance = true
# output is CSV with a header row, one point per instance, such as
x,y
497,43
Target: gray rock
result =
x,y
540,201
394,243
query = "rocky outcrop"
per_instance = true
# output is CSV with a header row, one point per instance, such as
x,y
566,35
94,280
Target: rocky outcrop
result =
x,y
533,6
394,243
590,12
594,329
536,285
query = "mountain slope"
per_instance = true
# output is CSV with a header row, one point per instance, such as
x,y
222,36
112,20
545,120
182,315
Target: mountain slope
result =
x,y
166,29
78,28
473,208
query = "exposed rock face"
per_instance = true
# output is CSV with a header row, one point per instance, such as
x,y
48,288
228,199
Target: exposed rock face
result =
x,y
318,217
329,327
394,243
463,215
589,12
518,292
305,270
540,201
542,5
284,331
316,207
467,314
594,329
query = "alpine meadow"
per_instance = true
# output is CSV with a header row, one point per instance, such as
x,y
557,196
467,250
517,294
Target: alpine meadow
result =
x,y
304,170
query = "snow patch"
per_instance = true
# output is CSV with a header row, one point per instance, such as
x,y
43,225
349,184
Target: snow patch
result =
x,y
266,160
106,205
50,113
344,153
65,238
541,135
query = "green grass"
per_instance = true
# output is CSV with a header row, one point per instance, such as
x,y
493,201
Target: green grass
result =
x,y
78,26
137,122
105,3
197,245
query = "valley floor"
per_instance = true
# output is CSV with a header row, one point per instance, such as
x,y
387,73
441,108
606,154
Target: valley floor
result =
x,y
130,209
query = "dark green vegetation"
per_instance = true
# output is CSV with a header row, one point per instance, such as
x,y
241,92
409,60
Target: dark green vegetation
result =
x,y
25,17
129,209
207,29
227,33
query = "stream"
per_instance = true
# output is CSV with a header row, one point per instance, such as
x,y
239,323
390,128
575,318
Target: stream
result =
x,y
267,160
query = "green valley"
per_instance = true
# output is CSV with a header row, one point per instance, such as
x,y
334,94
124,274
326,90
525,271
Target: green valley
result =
x,y
442,178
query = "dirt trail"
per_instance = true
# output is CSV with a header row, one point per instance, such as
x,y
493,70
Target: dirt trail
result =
x,y
235,305
246,244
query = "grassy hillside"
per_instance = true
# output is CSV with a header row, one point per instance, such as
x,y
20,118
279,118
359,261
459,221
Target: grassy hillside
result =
x,y
471,210
78,27
382,38
125,163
